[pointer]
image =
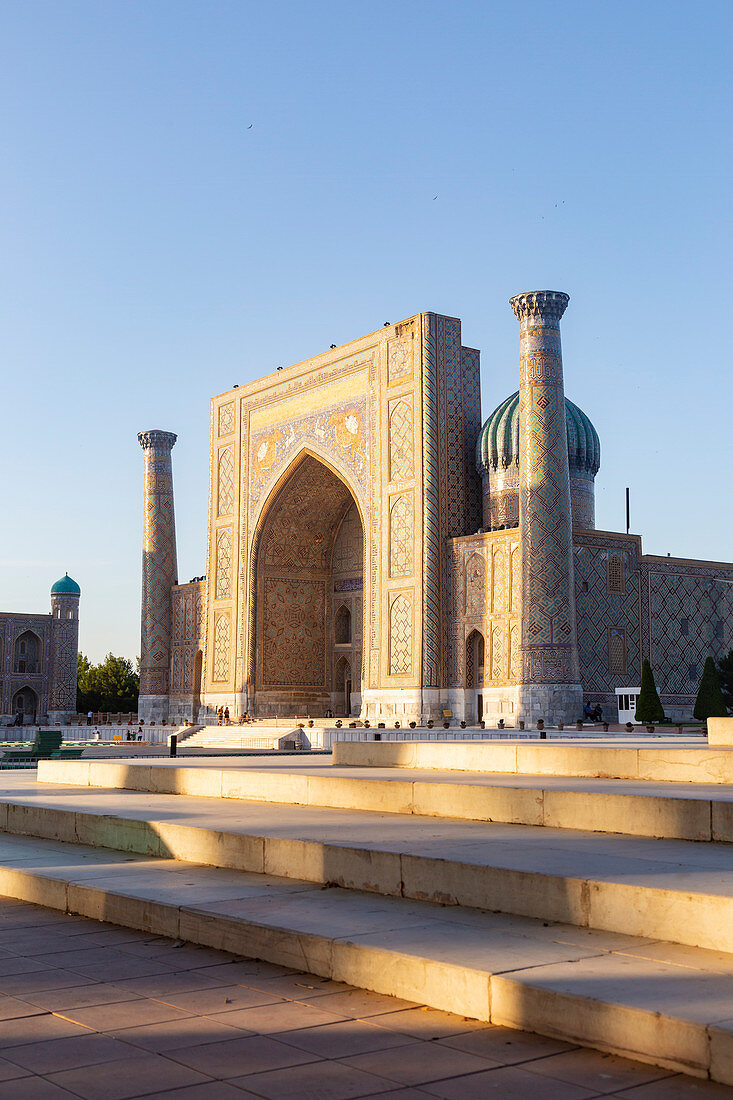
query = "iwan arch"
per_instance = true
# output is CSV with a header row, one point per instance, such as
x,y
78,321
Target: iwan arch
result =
x,y
372,550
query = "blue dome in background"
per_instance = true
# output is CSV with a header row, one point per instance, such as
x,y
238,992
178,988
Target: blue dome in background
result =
x,y
66,587
498,441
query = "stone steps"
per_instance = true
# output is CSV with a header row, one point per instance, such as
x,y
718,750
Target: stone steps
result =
x,y
668,889
702,812
634,997
667,760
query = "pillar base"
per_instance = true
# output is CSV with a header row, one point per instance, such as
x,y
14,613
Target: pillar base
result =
x,y
552,703
152,708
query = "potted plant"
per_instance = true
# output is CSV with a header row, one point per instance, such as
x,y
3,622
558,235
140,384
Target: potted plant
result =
x,y
649,709
396,725
430,723
412,725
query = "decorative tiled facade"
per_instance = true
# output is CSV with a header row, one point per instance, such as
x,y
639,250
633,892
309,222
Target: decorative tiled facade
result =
x,y
38,661
346,565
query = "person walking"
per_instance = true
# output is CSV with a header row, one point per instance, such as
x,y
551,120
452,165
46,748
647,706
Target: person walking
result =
x,y
90,715
226,716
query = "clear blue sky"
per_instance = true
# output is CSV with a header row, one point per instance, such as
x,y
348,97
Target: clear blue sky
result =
x,y
155,249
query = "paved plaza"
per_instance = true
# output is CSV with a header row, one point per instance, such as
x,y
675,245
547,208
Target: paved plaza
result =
x,y
93,1010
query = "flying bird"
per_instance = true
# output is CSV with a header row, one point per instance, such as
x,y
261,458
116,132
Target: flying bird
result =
x,y
250,125
434,197
333,345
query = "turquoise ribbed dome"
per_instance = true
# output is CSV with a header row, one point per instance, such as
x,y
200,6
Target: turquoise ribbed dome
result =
x,y
498,441
66,587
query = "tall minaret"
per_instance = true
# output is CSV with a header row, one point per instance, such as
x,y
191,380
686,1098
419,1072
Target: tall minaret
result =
x,y
550,687
160,572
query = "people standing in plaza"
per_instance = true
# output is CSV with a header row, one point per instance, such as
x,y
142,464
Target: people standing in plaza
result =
x,y
226,716
90,715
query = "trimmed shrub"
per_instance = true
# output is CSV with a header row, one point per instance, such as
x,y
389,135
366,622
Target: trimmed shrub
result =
x,y
648,705
709,702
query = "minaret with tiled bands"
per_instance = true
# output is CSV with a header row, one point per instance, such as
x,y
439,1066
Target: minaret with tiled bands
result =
x,y
550,687
160,572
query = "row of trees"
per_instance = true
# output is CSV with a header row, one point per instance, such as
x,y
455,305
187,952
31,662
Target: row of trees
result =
x,y
112,686
714,696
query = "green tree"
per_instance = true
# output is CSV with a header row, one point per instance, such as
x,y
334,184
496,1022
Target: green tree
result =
x,y
709,702
111,686
725,677
648,706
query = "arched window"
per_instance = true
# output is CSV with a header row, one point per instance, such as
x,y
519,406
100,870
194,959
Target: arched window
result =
x,y
615,569
475,659
27,653
342,626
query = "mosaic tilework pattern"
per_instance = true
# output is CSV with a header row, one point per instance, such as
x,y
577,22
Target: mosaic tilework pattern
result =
x,y
401,537
598,608
400,442
706,602
400,635
223,563
221,647
475,586
399,360
293,643
159,562
226,418
431,534
64,639
189,635
548,622
225,481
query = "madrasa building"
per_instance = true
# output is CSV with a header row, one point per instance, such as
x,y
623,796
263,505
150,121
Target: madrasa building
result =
x,y
374,551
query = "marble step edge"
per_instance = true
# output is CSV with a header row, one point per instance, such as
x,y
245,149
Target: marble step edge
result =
x,y
675,915
665,763
540,998
670,815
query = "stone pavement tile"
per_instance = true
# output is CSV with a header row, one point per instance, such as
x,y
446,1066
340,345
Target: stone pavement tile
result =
x,y
359,1002
243,971
175,1034
179,981
132,1076
236,1057
80,996
17,985
79,1050
34,1088
506,1046
344,1039
37,1029
112,1017
317,1081
594,1070
675,1088
112,967
506,1083
212,1090
427,1023
9,1071
17,964
273,1018
300,987
418,1063
185,956
219,998
12,1007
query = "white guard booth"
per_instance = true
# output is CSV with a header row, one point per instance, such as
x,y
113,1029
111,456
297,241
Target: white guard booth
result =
x,y
626,701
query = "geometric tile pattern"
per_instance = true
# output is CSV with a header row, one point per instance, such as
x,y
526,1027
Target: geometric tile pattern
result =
x,y
226,481
223,563
401,537
475,586
400,635
399,360
226,418
549,646
293,636
159,562
433,530
400,442
221,647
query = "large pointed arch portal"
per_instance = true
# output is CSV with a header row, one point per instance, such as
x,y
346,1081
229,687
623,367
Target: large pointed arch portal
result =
x,y
308,576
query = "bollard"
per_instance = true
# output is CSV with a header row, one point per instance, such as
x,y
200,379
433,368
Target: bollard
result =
x,y
174,744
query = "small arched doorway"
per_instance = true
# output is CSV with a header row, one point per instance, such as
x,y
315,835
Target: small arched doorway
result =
x,y
475,657
342,687
25,702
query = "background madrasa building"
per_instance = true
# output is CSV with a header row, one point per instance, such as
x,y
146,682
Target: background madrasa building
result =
x,y
373,550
